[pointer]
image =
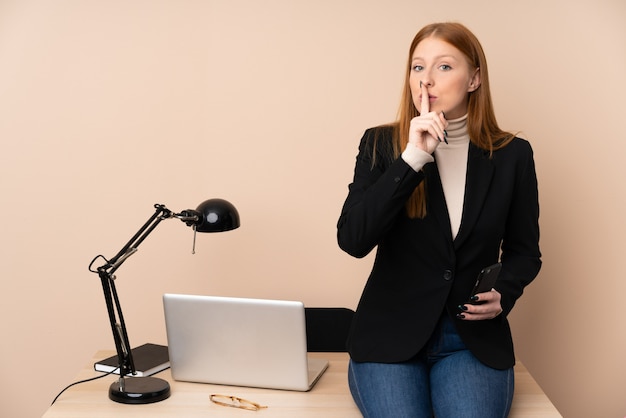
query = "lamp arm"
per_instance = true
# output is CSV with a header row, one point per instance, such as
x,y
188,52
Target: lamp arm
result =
x,y
107,278
118,326
130,248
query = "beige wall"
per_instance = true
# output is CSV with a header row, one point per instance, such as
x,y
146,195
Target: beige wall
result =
x,y
107,107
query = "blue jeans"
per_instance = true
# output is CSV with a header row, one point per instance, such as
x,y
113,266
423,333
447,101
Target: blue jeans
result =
x,y
445,380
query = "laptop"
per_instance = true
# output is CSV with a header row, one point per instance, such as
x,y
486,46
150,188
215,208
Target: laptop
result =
x,y
239,342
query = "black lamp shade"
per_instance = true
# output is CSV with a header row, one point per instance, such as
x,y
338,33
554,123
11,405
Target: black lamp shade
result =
x,y
217,215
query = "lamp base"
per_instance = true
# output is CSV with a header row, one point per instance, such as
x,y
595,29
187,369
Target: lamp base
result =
x,y
139,390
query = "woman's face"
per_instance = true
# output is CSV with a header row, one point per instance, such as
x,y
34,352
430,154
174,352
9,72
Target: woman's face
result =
x,y
447,75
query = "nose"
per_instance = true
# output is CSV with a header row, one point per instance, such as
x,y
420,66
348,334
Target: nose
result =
x,y
427,82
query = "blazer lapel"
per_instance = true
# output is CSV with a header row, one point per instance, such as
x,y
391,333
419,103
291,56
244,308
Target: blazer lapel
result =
x,y
479,174
436,200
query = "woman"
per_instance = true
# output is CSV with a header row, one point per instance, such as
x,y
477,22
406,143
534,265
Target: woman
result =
x,y
442,193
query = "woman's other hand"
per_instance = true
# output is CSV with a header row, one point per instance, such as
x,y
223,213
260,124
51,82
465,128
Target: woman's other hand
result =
x,y
484,306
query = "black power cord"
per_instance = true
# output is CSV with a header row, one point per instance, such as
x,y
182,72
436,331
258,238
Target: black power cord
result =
x,y
83,381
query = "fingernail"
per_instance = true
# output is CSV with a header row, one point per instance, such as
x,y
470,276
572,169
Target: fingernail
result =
x,y
444,115
460,316
462,307
420,84
445,136
474,298
439,139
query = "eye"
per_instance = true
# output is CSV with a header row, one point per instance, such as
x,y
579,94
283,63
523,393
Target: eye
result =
x,y
417,68
445,67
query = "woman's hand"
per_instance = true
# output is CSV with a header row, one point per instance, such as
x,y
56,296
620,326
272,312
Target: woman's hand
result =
x,y
487,307
428,129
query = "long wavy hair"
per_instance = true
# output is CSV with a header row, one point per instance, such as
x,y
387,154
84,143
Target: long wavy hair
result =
x,y
482,127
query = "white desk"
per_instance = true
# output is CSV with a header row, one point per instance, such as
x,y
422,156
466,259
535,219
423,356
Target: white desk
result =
x,y
329,398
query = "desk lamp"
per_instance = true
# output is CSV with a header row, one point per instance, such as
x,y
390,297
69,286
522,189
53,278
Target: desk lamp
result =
x,y
213,215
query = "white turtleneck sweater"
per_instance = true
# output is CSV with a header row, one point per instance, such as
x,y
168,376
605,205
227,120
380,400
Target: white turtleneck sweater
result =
x,y
452,165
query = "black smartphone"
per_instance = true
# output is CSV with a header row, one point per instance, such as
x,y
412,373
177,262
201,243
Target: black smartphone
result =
x,y
486,279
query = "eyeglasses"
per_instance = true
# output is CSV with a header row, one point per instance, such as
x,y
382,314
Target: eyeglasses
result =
x,y
235,402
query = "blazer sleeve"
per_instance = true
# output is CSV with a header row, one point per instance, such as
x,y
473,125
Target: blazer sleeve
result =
x,y
521,257
377,195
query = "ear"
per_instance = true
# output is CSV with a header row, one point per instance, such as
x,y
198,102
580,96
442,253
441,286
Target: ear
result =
x,y
474,81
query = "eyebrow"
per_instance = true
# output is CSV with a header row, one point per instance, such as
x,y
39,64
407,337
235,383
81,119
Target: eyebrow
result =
x,y
438,57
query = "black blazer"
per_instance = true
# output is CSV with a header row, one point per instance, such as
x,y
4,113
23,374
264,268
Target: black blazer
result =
x,y
419,270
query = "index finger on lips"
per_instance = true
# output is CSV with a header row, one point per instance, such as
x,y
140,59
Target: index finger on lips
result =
x,y
425,101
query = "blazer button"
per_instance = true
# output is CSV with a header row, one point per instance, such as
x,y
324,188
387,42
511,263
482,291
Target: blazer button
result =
x,y
397,179
447,275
